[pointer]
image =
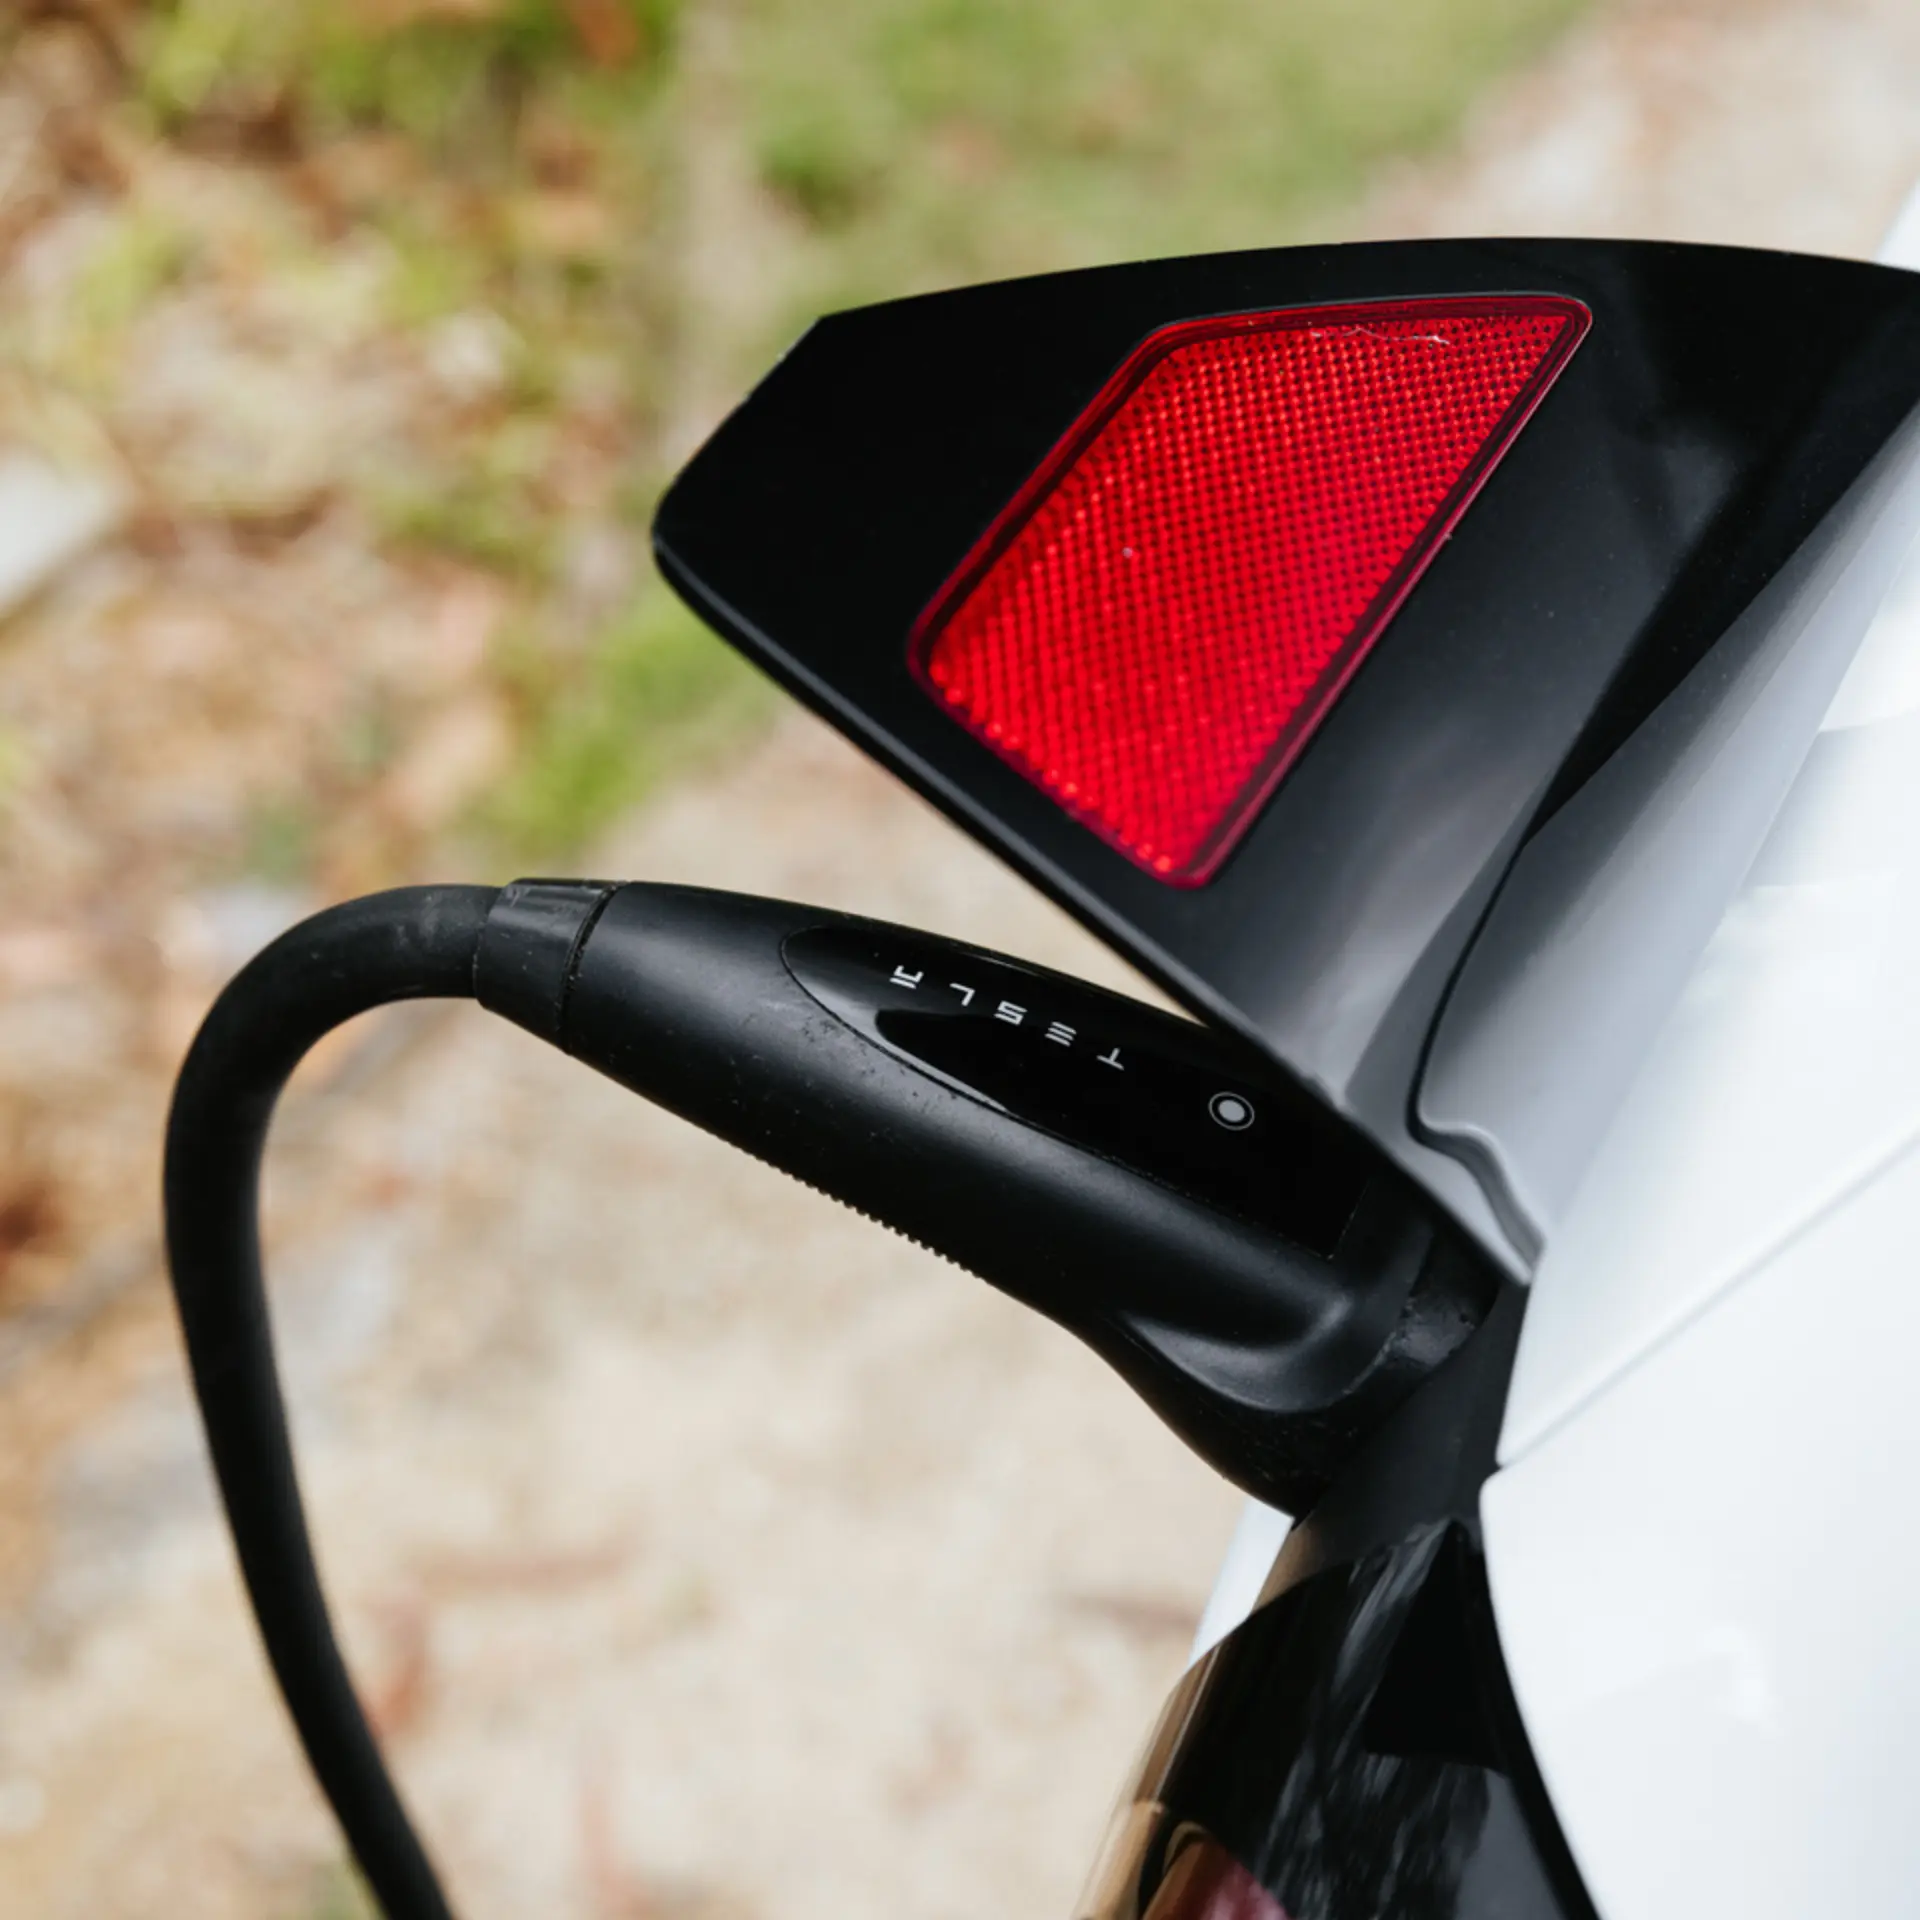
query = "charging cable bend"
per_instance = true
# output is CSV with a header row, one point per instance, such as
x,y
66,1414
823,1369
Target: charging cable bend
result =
x,y
414,943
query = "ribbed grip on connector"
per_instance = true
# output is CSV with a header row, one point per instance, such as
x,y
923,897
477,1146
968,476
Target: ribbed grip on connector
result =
x,y
1271,1327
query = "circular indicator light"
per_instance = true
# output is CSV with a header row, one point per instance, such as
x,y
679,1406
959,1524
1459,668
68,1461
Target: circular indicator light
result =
x,y
1231,1111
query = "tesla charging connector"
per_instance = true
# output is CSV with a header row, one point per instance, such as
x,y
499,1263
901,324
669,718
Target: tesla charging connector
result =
x,y
1261,1275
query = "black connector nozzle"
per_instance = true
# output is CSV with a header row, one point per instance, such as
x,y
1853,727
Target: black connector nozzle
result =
x,y
1259,1273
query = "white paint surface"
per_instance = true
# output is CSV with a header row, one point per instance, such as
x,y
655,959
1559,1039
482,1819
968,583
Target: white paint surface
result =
x,y
1705,1590
1789,1069
1255,1545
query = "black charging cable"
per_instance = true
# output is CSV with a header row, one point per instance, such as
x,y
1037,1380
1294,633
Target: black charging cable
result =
x,y
415,944
1268,1282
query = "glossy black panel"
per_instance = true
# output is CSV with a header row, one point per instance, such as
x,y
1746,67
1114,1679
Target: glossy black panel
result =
x,y
1354,1748
1179,1103
1720,406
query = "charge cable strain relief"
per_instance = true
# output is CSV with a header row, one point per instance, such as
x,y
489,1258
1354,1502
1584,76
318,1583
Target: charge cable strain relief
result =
x,y
529,949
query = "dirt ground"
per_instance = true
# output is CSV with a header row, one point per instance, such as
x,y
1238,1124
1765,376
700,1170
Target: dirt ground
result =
x,y
702,1549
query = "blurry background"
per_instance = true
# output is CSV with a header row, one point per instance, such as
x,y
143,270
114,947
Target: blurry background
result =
x,y
703,1551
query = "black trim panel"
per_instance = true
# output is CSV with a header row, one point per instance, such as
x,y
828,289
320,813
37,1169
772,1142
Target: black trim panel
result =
x,y
1354,1747
1722,403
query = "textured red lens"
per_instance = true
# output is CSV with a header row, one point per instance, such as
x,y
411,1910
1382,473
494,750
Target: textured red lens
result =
x,y
1153,628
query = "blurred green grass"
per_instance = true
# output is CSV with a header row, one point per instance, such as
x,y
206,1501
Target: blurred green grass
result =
x,y
658,692
338,1893
893,145
944,140
454,75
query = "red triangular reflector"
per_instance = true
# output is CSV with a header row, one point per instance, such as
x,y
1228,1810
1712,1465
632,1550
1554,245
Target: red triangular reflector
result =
x,y
1155,626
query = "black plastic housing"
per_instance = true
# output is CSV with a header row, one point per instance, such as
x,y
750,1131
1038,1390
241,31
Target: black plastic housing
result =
x,y
1710,427
1269,1357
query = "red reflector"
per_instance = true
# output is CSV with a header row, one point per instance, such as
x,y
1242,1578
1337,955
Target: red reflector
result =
x,y
1154,627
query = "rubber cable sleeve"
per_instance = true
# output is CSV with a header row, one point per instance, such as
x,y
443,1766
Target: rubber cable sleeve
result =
x,y
411,943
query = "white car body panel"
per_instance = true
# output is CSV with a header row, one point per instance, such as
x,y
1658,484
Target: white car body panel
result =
x,y
1788,1070
1701,1543
1706,1592
1601,922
